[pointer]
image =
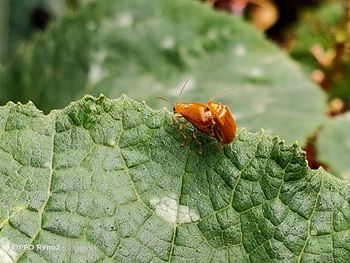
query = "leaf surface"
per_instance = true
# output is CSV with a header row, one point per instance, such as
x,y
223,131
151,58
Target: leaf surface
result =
x,y
108,180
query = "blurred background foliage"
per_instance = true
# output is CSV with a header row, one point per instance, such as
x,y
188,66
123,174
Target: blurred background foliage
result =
x,y
55,51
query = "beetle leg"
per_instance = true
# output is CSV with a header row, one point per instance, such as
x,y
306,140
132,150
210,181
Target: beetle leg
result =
x,y
173,120
175,117
184,142
194,134
218,135
181,127
221,145
212,130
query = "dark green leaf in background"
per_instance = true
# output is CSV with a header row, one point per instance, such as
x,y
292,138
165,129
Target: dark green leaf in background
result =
x,y
108,181
149,48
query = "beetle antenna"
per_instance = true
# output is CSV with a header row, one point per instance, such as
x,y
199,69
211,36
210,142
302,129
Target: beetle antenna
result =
x,y
162,98
182,89
221,92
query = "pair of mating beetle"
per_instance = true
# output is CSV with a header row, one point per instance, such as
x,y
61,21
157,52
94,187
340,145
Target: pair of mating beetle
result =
x,y
213,118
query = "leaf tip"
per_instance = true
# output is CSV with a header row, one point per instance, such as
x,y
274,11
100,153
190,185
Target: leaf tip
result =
x,y
125,97
296,143
101,96
262,131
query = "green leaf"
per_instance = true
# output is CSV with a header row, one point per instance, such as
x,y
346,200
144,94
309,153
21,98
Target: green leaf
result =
x,y
108,181
333,145
116,47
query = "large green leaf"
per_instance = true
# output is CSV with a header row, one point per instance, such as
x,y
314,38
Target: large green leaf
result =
x,y
334,145
108,181
120,46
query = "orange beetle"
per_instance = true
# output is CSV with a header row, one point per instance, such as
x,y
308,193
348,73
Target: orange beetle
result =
x,y
196,113
214,119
